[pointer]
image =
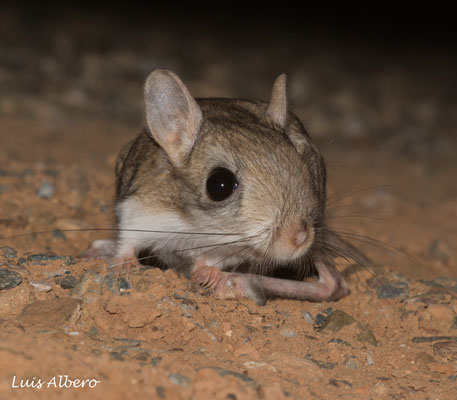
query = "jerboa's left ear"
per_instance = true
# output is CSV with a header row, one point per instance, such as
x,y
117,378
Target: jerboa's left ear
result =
x,y
277,109
173,116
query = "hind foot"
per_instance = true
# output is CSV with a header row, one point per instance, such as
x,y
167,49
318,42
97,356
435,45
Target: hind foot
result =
x,y
227,285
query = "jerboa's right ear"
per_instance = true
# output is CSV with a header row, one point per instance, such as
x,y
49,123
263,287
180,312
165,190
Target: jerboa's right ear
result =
x,y
277,109
173,116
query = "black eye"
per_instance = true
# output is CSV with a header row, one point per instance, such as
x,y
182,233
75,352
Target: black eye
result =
x,y
221,184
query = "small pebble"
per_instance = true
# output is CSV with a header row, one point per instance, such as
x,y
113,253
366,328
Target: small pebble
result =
x,y
307,317
160,390
258,365
129,342
93,332
116,285
187,309
319,320
351,362
9,279
447,350
214,323
53,312
8,252
118,355
321,364
427,339
21,261
155,361
328,311
142,357
42,259
46,190
179,379
442,282
226,372
369,359
286,332
393,290
41,286
339,319
60,271
339,382
334,322
66,281
365,335
340,341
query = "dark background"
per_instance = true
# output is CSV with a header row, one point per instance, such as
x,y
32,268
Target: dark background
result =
x,y
381,75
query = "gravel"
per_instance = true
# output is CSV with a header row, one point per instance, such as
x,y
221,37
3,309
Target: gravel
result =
x,y
66,281
8,252
393,290
9,279
179,379
287,332
307,317
41,286
351,362
46,190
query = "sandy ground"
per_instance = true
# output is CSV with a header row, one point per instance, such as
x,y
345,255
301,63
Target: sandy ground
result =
x,y
388,137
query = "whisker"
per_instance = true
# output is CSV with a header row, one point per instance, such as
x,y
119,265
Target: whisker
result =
x,y
235,267
223,244
333,201
341,252
212,246
339,216
347,256
120,230
232,254
330,142
339,191
376,243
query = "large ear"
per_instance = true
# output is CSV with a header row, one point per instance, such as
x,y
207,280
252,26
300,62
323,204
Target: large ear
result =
x,y
172,114
277,109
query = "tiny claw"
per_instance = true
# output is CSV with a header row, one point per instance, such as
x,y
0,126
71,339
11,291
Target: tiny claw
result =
x,y
229,285
208,277
126,265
